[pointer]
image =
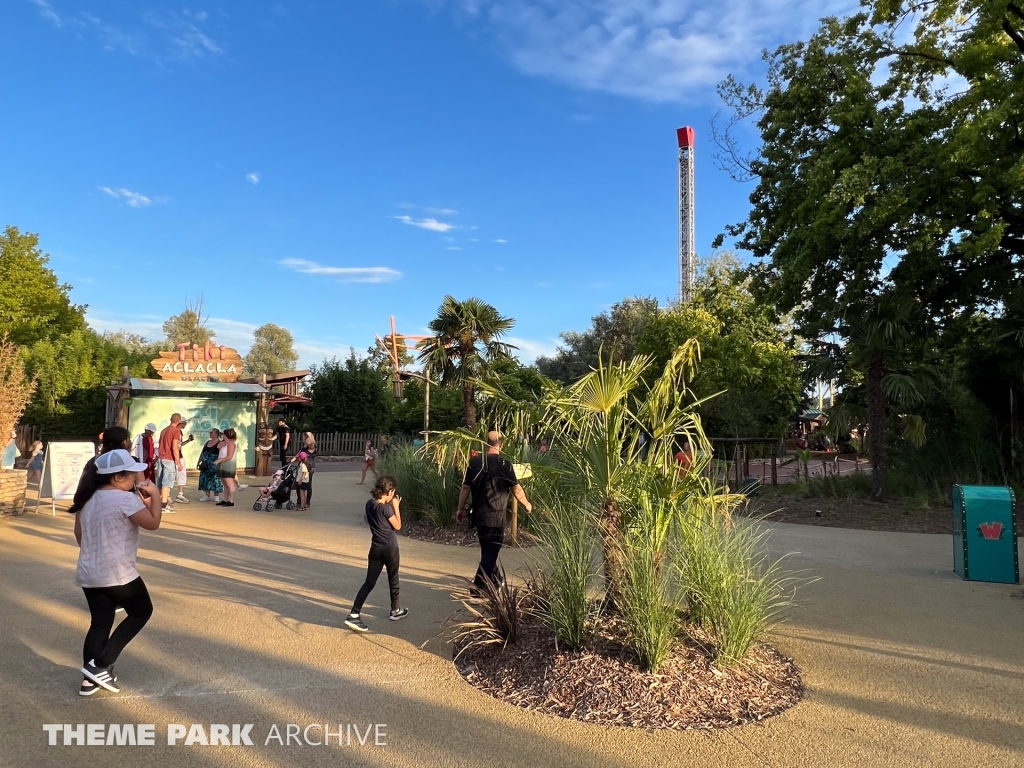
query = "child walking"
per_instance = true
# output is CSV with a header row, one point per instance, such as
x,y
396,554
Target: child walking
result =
x,y
302,480
112,503
384,518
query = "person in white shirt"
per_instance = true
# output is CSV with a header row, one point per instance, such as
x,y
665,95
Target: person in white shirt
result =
x,y
111,504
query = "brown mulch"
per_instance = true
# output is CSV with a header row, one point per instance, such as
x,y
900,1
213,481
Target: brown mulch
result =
x,y
458,535
849,513
603,685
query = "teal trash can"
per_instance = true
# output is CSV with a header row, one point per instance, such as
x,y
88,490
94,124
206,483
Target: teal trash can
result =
x,y
984,534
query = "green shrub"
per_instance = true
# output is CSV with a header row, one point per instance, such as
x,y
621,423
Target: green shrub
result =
x,y
568,535
645,600
491,615
425,491
732,588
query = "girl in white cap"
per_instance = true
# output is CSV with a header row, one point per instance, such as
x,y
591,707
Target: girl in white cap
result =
x,y
112,504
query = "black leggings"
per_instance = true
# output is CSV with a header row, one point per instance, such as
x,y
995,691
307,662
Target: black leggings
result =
x,y
102,646
375,562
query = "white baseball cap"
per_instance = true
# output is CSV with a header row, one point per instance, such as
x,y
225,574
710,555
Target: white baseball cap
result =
x,y
151,427
118,460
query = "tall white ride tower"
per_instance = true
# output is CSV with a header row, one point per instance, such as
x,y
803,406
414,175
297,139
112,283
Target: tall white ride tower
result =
x,y
687,246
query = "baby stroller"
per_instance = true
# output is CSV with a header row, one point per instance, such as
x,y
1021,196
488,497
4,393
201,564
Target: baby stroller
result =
x,y
279,492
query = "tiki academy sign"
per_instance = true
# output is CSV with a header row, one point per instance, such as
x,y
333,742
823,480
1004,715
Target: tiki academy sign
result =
x,y
196,363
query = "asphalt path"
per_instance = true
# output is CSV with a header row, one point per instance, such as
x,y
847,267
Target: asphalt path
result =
x,y
905,664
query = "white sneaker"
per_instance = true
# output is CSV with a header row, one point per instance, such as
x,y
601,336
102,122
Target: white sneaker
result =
x,y
204,498
216,499
243,485
168,510
181,499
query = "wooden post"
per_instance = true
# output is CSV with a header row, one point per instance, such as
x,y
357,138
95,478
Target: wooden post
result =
x,y
426,411
775,468
515,520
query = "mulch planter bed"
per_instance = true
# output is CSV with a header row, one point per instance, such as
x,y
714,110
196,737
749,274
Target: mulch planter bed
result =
x,y
603,684
458,535
849,513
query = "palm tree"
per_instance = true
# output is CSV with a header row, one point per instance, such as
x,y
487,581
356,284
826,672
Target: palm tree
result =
x,y
465,342
616,437
882,334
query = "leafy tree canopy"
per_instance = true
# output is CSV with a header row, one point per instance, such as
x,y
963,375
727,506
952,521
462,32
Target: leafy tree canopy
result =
x,y
33,304
73,372
890,161
613,332
349,396
745,354
272,352
466,341
190,327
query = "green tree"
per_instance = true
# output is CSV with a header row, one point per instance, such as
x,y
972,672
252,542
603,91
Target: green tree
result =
x,y
33,304
349,396
272,351
189,327
134,343
445,408
73,372
748,366
466,342
613,332
889,172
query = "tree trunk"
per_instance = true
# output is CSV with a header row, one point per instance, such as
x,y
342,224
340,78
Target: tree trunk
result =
x,y
611,537
469,406
876,425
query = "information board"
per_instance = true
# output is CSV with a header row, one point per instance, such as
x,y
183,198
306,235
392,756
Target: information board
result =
x,y
62,469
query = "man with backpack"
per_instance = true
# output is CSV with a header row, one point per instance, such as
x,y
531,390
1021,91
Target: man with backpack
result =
x,y
490,478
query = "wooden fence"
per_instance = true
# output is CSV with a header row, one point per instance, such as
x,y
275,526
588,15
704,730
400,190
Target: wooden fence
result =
x,y
27,434
341,443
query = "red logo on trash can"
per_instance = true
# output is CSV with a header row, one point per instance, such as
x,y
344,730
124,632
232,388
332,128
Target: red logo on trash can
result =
x,y
991,530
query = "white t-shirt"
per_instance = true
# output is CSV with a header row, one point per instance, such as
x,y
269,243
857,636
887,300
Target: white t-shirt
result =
x,y
110,540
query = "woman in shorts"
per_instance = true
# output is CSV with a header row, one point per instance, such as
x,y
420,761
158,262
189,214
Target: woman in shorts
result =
x,y
370,455
227,468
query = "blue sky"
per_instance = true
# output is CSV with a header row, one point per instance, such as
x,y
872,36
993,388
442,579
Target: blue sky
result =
x,y
325,165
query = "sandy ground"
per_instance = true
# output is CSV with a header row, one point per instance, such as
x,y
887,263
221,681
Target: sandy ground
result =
x,y
905,664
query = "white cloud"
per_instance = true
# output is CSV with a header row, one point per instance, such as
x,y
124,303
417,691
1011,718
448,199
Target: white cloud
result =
x,y
311,352
654,50
452,248
344,274
164,36
253,178
132,199
430,224
47,12
530,349
442,211
149,326
236,334
500,240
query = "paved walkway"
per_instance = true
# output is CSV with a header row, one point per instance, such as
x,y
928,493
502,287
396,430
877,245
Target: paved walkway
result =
x,y
905,664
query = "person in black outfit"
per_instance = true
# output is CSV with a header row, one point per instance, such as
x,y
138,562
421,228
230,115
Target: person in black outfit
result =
x,y
384,518
284,438
490,479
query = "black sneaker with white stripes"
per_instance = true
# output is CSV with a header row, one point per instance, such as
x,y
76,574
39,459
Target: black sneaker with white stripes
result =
x,y
355,622
101,676
89,687
398,613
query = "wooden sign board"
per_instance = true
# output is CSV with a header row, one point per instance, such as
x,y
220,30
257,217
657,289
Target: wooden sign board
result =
x,y
196,363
